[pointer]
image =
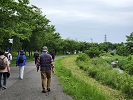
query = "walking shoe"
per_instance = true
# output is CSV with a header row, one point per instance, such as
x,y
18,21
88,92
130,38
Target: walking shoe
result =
x,y
43,91
4,87
48,89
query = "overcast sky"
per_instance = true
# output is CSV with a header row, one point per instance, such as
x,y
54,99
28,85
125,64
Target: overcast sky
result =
x,y
90,20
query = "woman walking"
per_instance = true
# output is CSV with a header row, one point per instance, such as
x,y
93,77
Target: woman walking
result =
x,y
4,70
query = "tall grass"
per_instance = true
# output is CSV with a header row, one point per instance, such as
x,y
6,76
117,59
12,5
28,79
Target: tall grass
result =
x,y
76,87
104,73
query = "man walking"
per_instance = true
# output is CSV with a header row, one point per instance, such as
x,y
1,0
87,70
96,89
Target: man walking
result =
x,y
8,55
46,65
36,55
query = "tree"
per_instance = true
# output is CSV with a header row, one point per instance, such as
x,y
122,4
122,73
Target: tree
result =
x,y
122,50
129,43
106,46
93,52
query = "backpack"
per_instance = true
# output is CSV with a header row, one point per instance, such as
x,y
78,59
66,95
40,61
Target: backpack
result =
x,y
36,54
6,54
2,64
21,59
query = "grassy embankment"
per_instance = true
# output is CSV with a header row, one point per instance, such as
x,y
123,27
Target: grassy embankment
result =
x,y
79,85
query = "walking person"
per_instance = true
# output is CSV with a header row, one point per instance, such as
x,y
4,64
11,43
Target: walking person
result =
x,y
46,65
53,55
8,55
4,70
21,62
36,55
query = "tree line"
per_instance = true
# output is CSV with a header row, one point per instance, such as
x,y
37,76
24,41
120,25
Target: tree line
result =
x,y
30,30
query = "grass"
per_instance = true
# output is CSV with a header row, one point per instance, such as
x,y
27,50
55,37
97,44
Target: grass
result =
x,y
74,83
80,86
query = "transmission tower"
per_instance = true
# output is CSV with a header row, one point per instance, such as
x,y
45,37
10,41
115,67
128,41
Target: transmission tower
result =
x,y
105,38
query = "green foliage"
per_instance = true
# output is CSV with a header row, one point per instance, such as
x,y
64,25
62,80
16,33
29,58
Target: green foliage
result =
x,y
26,25
74,86
106,54
83,57
93,52
106,46
122,50
103,72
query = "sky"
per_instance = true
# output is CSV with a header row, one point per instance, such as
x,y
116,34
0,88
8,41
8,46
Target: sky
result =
x,y
89,20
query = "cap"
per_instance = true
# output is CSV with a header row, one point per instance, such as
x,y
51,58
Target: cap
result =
x,y
7,48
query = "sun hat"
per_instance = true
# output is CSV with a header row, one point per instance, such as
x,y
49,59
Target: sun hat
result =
x,y
44,48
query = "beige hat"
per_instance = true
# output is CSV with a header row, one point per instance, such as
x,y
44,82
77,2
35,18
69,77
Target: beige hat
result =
x,y
44,48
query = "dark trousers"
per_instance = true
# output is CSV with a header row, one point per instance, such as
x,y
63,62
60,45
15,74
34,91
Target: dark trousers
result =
x,y
36,59
4,74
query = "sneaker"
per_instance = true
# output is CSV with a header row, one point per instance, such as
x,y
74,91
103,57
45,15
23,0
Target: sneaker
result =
x,y
43,91
4,87
48,89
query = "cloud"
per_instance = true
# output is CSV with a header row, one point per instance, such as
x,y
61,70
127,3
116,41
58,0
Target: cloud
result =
x,y
118,3
89,18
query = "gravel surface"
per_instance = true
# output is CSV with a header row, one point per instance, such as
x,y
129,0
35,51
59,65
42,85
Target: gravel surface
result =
x,y
30,87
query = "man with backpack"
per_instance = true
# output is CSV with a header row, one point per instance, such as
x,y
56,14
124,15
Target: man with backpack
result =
x,y
21,62
8,55
45,64
4,70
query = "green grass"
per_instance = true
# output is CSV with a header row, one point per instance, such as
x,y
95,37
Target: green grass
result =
x,y
75,86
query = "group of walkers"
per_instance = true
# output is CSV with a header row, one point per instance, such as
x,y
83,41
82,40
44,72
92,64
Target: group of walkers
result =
x,y
44,62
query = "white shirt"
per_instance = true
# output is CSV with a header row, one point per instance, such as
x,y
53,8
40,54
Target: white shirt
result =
x,y
9,57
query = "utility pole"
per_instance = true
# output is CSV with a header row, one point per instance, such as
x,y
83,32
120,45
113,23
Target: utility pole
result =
x,y
105,38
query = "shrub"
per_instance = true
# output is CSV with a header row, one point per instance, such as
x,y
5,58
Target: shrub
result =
x,y
82,57
102,72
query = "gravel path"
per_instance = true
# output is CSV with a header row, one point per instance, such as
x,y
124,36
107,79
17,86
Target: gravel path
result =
x,y
30,87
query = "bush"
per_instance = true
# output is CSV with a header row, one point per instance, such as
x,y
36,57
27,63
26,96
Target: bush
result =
x,y
83,57
101,71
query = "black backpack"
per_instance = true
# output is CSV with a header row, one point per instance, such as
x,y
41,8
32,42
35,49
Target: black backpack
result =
x,y
2,64
21,59
6,54
36,54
